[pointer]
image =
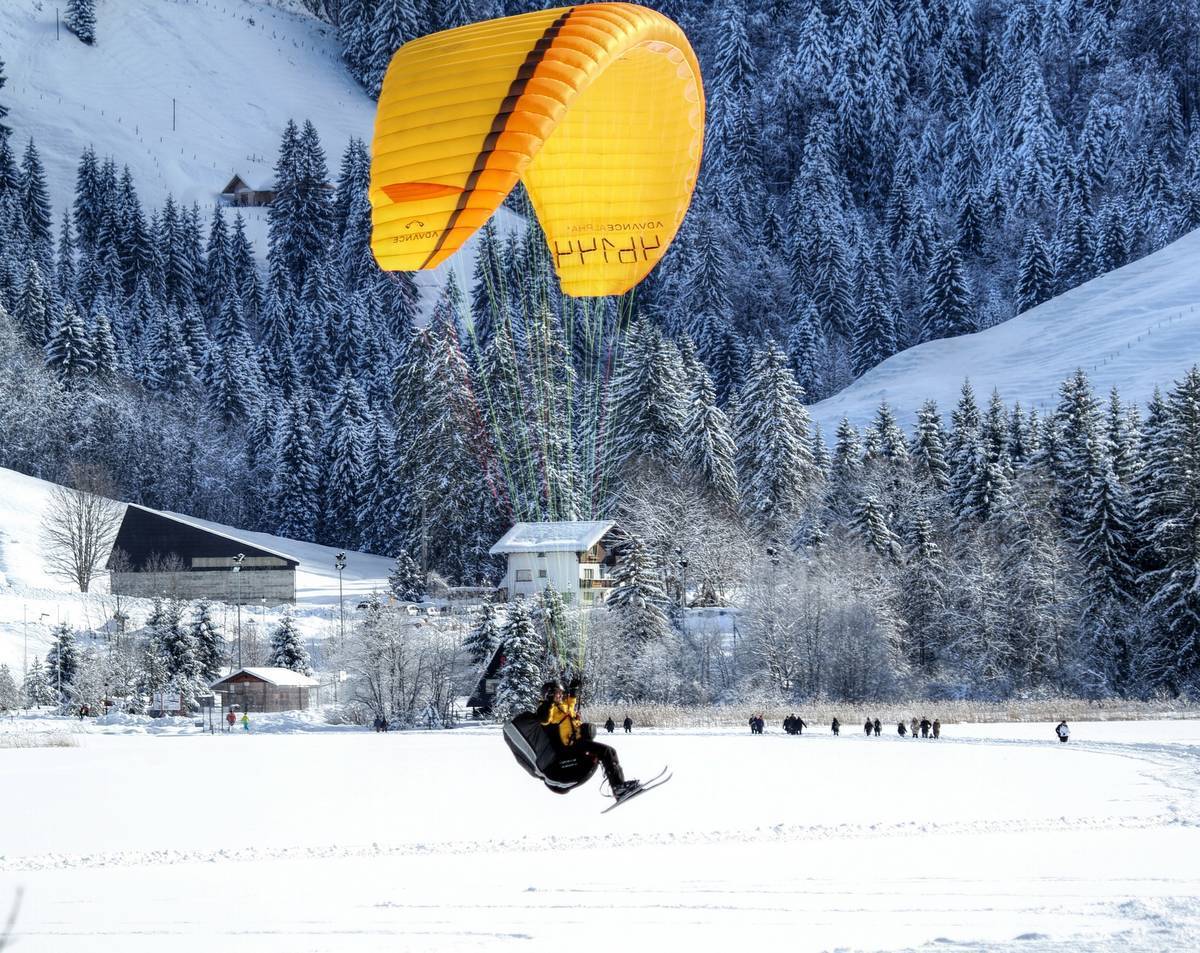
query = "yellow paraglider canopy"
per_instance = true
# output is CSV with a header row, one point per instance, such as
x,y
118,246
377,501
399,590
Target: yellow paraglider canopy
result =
x,y
598,109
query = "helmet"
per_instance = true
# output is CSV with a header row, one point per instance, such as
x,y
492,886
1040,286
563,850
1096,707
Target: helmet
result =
x,y
550,688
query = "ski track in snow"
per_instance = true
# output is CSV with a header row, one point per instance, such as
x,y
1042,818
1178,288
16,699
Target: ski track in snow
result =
x,y
775,833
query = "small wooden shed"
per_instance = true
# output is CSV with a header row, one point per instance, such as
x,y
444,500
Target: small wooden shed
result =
x,y
266,689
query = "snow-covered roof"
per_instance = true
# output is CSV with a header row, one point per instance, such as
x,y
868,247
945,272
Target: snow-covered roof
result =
x,y
570,537
283,677
207,527
258,186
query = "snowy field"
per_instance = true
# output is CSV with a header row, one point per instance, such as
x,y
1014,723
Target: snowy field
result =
x,y
995,837
1135,327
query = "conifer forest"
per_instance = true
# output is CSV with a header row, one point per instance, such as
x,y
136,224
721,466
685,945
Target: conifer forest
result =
x,y
876,174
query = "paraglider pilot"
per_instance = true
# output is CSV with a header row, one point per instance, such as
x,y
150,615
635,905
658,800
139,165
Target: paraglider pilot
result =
x,y
574,737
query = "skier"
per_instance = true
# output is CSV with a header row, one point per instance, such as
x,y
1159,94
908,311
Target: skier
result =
x,y
901,728
878,727
1063,732
610,725
925,727
575,740
628,724
836,726
937,728
867,727
915,727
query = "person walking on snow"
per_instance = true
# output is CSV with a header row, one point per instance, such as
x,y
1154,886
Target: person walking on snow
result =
x,y
901,729
245,721
914,727
835,727
867,727
628,724
1063,732
559,710
937,728
799,724
924,727
610,726
230,720
878,727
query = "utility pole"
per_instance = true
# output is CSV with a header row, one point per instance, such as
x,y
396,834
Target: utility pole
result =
x,y
339,563
237,569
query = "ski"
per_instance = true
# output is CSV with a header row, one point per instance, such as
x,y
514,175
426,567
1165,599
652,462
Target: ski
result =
x,y
655,782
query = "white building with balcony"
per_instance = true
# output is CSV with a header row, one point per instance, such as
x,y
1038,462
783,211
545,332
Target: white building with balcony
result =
x,y
572,557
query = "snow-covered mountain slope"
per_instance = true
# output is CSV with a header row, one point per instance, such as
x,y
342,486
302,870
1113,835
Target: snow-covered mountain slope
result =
x,y
1136,327
236,71
32,600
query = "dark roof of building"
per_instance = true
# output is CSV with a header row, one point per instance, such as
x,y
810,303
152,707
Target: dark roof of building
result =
x,y
147,534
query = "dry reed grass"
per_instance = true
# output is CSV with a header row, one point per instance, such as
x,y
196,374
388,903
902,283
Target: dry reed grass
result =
x,y
822,712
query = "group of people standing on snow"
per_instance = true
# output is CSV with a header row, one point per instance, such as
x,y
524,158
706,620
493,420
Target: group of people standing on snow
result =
x,y
925,727
793,724
610,726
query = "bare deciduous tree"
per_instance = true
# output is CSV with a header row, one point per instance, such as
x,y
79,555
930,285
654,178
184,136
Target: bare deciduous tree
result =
x,y
79,526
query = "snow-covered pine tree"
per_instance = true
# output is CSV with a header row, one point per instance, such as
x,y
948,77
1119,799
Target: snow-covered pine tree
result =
x,y
649,404
343,463
35,207
209,643
62,659
1171,515
301,215
393,24
69,350
287,647
520,681
32,308
774,451
928,450
1035,275
36,689
708,449
870,524
295,488
406,581
875,330
10,697
946,311
637,599
80,19
485,636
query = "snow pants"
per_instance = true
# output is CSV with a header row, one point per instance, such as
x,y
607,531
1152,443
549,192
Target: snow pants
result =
x,y
607,756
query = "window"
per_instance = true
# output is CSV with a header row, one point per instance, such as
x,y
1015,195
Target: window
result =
x,y
541,574
524,575
589,574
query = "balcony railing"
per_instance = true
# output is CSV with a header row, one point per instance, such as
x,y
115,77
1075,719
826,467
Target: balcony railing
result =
x,y
595,583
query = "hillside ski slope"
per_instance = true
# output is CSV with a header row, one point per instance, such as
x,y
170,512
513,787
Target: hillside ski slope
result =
x,y
237,71
1136,327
